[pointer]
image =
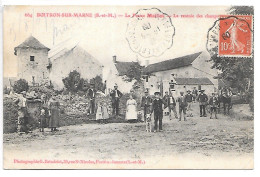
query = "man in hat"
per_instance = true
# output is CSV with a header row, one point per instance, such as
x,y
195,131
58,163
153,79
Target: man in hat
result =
x,y
202,99
115,95
189,99
182,106
91,94
158,111
170,103
213,102
146,103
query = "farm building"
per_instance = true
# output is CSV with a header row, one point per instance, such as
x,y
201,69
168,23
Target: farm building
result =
x,y
181,74
67,57
32,61
40,65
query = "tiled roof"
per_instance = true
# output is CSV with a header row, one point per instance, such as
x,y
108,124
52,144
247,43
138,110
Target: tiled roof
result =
x,y
31,42
171,64
193,81
123,67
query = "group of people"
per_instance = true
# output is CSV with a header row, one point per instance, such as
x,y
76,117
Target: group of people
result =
x,y
50,110
49,113
157,105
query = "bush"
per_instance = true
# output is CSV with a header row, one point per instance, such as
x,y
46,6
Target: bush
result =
x,y
73,82
20,85
98,83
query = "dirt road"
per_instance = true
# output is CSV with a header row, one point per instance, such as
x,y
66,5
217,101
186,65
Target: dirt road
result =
x,y
198,141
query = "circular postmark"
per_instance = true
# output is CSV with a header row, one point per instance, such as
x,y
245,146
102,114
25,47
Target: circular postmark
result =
x,y
231,36
150,32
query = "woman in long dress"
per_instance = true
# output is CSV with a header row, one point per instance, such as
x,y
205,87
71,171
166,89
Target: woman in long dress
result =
x,y
55,114
131,111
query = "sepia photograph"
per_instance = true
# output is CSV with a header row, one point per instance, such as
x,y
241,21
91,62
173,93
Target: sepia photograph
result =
x,y
128,87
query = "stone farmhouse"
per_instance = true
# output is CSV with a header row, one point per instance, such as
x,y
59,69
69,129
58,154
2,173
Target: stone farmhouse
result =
x,y
40,65
181,74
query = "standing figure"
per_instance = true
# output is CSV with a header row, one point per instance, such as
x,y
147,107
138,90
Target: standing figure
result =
x,y
226,95
42,120
171,103
203,99
91,93
102,112
99,116
115,95
22,111
105,114
213,102
146,103
194,93
182,106
131,109
189,99
158,111
54,106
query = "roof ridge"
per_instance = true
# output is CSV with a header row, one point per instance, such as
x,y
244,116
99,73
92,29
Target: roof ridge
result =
x,y
178,58
31,42
172,63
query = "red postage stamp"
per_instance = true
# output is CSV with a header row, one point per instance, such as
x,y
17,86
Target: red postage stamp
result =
x,y
235,36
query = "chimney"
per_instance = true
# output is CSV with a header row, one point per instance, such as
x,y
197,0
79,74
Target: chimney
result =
x,y
146,63
114,59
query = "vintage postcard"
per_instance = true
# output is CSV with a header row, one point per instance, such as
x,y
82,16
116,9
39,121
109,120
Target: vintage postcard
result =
x,y
128,87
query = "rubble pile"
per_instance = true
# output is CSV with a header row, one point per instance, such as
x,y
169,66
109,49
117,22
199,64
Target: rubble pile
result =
x,y
10,110
74,104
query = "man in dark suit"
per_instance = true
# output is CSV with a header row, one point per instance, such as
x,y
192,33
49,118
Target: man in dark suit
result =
x,y
146,103
91,93
115,95
182,106
158,111
203,100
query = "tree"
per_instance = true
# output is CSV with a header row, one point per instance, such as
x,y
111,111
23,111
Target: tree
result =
x,y
241,10
134,72
97,81
20,85
73,82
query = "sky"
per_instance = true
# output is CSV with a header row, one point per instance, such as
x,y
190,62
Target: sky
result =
x,y
101,37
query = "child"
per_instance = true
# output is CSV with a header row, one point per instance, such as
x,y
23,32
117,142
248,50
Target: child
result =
x,y
102,113
42,120
213,102
105,114
99,116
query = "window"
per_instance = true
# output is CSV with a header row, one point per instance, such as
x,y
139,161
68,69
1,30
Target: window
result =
x,y
31,58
